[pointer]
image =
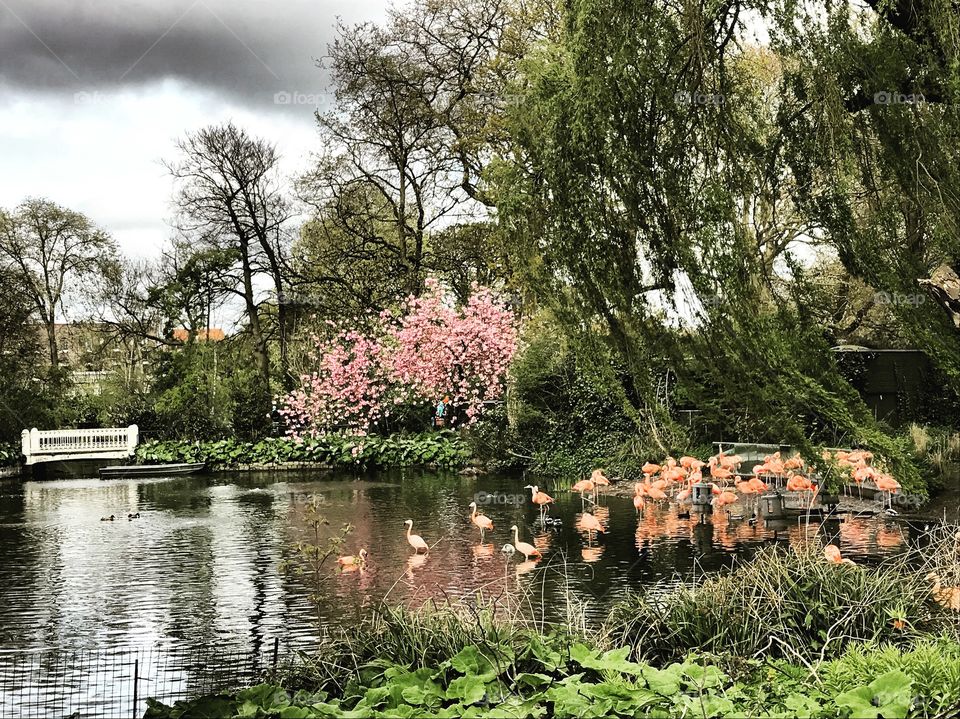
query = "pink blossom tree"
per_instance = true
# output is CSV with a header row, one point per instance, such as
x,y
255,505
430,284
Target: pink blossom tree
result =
x,y
347,390
464,353
432,349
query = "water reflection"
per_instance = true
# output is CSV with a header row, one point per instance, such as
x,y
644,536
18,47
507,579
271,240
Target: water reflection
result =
x,y
203,563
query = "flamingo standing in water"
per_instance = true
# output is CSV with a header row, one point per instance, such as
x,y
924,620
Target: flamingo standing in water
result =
x,y
599,479
584,485
480,521
722,473
638,501
527,550
541,499
724,498
887,484
589,524
415,540
353,561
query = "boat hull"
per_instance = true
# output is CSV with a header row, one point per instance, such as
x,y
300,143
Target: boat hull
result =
x,y
150,470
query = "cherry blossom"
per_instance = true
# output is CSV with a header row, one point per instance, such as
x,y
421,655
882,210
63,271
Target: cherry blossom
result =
x,y
429,350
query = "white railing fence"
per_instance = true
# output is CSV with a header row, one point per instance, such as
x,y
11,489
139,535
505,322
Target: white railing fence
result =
x,y
110,442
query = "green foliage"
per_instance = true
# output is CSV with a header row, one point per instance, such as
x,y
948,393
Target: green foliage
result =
x,y
931,666
441,449
189,399
251,411
30,395
9,454
566,410
784,604
937,452
583,681
459,660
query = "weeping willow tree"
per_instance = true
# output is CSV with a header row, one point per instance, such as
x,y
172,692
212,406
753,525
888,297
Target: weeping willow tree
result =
x,y
875,138
667,191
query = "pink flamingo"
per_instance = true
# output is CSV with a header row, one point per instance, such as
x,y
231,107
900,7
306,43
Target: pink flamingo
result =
x,y
415,540
480,521
527,550
541,499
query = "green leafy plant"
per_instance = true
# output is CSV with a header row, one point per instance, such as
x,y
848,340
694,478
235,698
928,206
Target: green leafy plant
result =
x,y
440,449
310,554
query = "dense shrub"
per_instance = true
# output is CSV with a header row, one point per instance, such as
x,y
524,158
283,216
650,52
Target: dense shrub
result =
x,y
443,449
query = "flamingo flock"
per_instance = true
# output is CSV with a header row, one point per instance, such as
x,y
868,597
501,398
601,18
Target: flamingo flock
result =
x,y
673,480
858,466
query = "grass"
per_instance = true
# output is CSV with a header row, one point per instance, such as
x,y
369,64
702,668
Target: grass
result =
x,y
793,604
939,450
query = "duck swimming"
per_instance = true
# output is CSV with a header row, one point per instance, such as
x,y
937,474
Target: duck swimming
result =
x,y
107,519
134,516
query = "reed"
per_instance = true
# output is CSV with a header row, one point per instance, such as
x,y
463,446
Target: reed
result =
x,y
790,604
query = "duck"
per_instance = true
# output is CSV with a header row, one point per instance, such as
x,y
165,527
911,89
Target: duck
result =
x,y
134,516
107,519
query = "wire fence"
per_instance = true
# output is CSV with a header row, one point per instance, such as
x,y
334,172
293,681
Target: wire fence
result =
x,y
116,684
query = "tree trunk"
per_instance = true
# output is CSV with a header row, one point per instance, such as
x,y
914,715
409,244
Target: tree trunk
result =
x,y
944,285
51,327
282,320
260,354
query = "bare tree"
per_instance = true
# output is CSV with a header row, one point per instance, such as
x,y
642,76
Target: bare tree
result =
x,y
405,150
54,252
229,194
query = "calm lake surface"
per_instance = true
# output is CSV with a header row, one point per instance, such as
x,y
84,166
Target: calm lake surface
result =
x,y
202,564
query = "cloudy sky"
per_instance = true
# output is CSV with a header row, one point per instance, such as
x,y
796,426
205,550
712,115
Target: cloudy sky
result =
x,y
94,93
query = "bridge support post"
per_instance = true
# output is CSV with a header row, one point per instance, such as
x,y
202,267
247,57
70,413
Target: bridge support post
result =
x,y
28,443
133,438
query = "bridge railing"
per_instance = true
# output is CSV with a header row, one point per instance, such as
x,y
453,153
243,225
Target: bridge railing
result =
x,y
111,442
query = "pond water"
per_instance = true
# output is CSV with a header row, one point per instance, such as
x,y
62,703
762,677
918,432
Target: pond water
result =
x,y
202,564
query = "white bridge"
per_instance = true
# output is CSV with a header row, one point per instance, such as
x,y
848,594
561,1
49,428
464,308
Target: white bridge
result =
x,y
59,445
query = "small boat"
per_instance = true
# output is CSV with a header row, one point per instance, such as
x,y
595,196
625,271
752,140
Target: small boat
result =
x,y
150,470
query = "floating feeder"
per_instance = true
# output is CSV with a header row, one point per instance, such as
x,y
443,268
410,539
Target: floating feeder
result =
x,y
701,498
771,506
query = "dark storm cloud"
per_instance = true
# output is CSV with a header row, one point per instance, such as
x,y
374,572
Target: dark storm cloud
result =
x,y
254,48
